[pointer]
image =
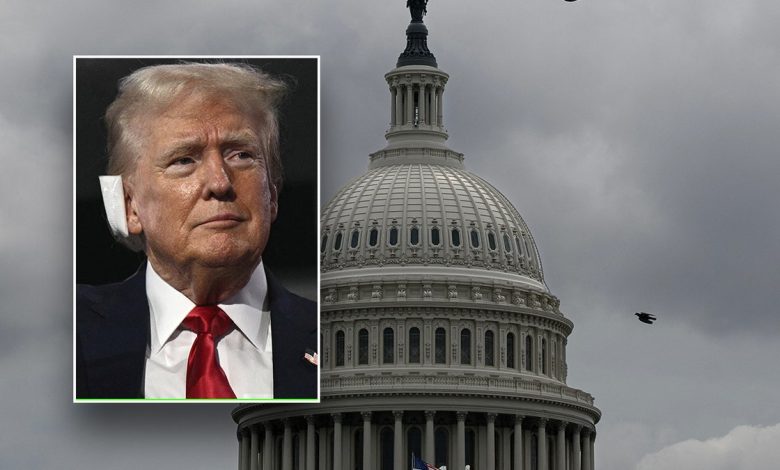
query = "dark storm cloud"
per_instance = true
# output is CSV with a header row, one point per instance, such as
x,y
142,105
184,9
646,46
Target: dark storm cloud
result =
x,y
677,102
638,139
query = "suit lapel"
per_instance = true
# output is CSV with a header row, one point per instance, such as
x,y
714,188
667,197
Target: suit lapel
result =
x,y
115,337
293,331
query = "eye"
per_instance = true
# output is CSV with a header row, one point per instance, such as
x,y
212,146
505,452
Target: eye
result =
x,y
243,156
182,161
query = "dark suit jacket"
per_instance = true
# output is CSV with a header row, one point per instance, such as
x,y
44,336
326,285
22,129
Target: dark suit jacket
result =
x,y
112,333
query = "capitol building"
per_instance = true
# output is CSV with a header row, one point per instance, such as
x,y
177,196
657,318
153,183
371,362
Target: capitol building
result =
x,y
439,336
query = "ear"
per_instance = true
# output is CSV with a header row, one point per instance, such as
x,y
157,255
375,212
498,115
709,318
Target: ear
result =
x,y
134,226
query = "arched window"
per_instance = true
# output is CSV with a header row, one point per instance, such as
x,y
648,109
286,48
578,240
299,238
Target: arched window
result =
x,y
492,241
363,346
489,354
519,246
324,243
507,244
339,348
474,238
393,238
386,449
373,237
465,346
388,349
544,356
337,242
441,346
441,443
510,350
414,442
455,234
414,236
529,346
355,239
435,236
414,345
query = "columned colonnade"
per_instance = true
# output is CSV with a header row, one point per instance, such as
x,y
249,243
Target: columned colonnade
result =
x,y
416,92
381,441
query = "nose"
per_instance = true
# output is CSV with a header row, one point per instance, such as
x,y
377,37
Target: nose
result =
x,y
216,176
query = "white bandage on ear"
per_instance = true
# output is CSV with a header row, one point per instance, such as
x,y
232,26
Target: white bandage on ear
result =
x,y
114,203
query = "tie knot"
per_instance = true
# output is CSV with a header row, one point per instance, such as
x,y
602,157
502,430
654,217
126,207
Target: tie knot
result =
x,y
208,319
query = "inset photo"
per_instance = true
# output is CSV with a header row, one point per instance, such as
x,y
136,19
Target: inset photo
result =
x,y
196,229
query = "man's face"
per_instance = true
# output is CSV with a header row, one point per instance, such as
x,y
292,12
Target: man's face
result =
x,y
200,192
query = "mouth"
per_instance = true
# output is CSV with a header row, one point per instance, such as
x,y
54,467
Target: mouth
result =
x,y
223,220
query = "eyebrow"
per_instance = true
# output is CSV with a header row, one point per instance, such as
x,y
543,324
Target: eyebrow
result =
x,y
241,138
190,144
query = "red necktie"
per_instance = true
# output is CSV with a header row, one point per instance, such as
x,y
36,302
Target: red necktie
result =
x,y
205,379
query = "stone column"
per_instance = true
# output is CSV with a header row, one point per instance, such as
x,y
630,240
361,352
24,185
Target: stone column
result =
x,y
560,443
243,450
409,103
399,106
287,446
491,441
518,438
527,448
460,446
336,441
576,459
254,450
310,451
367,461
392,105
586,449
506,445
268,446
592,450
323,465
440,106
541,448
398,442
301,449
430,449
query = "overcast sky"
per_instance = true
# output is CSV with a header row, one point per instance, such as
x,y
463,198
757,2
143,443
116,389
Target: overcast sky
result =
x,y
638,139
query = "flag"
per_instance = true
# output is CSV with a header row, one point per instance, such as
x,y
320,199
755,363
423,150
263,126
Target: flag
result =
x,y
419,464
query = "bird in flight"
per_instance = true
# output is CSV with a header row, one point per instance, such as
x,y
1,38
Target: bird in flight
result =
x,y
646,318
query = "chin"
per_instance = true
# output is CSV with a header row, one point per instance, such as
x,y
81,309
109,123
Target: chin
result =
x,y
229,256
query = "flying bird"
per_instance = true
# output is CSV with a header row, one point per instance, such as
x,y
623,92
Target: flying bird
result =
x,y
646,317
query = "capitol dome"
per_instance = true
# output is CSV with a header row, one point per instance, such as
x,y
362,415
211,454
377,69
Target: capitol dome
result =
x,y
432,213
439,337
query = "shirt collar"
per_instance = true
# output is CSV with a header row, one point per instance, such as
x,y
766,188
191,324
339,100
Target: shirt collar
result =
x,y
248,309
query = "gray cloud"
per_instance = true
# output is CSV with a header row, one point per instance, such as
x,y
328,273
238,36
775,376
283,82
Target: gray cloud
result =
x,y
638,140
743,447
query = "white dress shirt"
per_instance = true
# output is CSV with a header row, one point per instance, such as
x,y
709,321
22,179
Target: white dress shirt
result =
x,y
244,353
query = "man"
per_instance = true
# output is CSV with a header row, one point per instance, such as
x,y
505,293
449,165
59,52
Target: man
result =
x,y
197,149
